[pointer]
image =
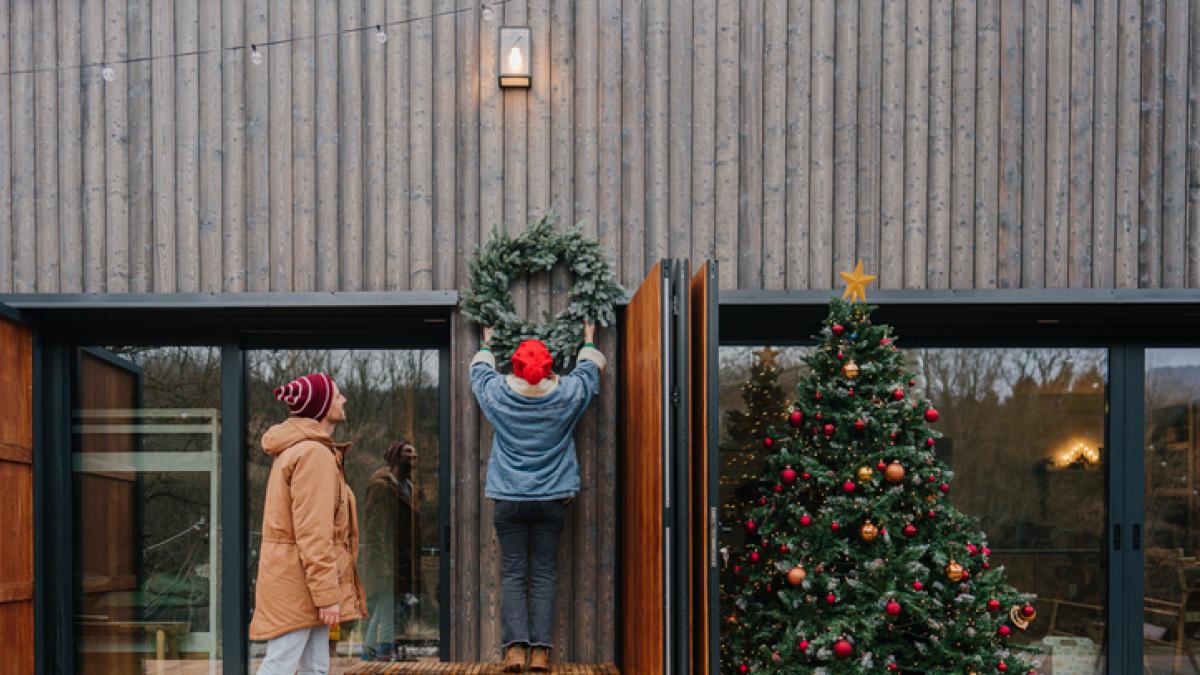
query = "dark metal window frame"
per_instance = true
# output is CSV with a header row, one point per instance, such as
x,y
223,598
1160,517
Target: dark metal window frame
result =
x,y
234,324
1125,322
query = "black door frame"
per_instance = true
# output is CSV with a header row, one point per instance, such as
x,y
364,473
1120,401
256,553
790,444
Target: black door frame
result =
x,y
234,324
1118,321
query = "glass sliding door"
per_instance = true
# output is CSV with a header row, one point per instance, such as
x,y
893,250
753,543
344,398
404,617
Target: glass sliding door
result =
x,y
1171,606
1025,434
145,469
393,468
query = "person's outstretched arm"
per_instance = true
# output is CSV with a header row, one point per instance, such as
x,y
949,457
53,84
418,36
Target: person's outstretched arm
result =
x,y
483,366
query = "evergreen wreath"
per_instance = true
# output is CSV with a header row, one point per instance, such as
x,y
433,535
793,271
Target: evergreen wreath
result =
x,y
539,248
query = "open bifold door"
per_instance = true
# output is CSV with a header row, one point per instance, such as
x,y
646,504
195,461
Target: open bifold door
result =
x,y
654,624
16,494
705,607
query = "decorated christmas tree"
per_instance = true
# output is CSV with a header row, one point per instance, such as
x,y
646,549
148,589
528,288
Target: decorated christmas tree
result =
x,y
855,560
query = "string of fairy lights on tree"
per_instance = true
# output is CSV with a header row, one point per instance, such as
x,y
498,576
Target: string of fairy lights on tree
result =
x,y
108,73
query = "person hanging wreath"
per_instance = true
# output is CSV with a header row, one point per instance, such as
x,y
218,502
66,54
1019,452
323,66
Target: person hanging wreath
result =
x,y
539,248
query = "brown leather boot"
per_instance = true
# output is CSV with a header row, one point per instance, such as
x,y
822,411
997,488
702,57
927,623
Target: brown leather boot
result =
x,y
514,658
539,660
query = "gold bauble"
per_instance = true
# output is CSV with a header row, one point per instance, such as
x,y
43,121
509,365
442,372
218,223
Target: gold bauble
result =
x,y
865,473
954,571
850,370
1018,617
796,575
894,472
869,531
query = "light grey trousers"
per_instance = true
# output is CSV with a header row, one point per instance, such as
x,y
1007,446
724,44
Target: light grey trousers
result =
x,y
300,652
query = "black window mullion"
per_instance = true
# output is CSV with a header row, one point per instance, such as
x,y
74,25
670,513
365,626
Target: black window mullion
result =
x,y
1132,452
234,617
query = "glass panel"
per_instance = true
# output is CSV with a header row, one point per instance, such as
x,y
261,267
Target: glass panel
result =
x,y
391,398
1024,434
146,459
1172,541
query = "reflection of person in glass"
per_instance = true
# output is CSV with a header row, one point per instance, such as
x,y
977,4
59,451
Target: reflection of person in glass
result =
x,y
307,581
392,549
533,475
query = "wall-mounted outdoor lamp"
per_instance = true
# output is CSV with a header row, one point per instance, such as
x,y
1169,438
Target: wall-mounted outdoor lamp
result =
x,y
514,56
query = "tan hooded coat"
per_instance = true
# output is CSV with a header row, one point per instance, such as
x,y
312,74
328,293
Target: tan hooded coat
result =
x,y
309,549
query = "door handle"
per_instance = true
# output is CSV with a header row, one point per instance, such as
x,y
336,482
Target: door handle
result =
x,y
712,536
1117,537
1137,536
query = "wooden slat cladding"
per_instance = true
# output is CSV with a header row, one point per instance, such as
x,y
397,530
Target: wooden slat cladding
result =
x,y
959,143
16,495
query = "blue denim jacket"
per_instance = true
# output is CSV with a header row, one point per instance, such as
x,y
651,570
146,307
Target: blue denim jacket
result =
x,y
533,447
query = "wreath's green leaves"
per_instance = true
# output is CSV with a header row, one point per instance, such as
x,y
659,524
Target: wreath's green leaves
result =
x,y
539,248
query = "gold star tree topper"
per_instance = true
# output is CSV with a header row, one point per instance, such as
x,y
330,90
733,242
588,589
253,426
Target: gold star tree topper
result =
x,y
856,283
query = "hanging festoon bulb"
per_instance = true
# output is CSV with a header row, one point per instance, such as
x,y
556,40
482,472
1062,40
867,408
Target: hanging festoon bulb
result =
x,y
256,56
107,73
380,35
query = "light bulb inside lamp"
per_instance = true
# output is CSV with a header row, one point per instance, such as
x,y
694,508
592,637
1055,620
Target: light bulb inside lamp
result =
x,y
515,60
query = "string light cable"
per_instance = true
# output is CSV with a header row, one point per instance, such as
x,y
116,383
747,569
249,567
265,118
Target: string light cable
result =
x,y
108,74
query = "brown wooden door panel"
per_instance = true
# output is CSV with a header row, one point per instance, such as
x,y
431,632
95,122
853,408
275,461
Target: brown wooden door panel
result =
x,y
16,496
703,610
643,621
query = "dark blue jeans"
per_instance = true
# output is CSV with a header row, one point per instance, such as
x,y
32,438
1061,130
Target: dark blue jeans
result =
x,y
529,534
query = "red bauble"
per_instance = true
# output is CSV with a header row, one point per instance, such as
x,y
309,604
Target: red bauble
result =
x,y
929,442
910,530
944,487
806,520
778,488
743,669
788,475
831,598
932,478
898,394
880,465
754,556
803,645
931,415
762,501
783,548
972,549
993,605
1027,611
1002,667
806,475
796,418
848,486
768,443
912,383
859,425
842,649
893,608
851,391
837,329
834,526
817,396
932,514
840,356
893,667
818,416
1004,631
918,586
986,551
828,430
751,526
884,341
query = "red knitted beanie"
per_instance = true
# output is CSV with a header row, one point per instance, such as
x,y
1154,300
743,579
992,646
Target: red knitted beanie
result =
x,y
308,396
532,361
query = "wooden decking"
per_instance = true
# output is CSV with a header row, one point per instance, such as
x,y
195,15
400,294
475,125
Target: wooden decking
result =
x,y
437,668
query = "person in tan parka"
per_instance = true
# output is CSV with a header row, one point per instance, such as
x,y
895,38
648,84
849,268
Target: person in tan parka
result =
x,y
307,570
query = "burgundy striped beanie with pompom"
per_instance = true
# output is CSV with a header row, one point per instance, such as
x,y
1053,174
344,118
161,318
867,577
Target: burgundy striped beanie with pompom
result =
x,y
308,396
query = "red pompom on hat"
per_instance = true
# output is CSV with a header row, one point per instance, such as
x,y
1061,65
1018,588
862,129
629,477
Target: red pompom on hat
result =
x,y
532,361
308,396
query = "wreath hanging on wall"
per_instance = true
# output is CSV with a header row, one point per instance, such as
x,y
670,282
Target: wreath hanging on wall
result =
x,y
539,248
